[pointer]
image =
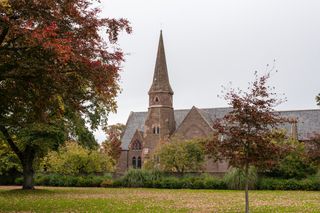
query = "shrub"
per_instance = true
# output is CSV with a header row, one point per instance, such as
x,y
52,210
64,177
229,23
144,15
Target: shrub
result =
x,y
289,184
68,180
171,183
139,178
178,156
235,178
214,183
73,159
296,164
107,183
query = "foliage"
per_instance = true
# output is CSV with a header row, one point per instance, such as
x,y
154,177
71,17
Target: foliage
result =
x,y
156,179
248,129
313,149
296,164
112,145
9,162
58,75
73,159
179,156
68,180
235,178
139,178
310,184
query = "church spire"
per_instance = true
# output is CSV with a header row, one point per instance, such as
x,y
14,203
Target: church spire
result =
x,y
160,77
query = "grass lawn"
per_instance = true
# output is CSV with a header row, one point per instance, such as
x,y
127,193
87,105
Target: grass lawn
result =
x,y
55,199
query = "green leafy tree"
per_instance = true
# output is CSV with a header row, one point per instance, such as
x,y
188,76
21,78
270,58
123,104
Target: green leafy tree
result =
x,y
248,131
313,149
295,164
74,159
9,162
58,75
178,156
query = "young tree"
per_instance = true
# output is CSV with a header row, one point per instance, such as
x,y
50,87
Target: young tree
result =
x,y
57,73
247,131
179,156
74,159
112,145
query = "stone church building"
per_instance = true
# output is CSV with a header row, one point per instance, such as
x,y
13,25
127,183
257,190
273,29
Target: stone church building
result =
x,y
145,130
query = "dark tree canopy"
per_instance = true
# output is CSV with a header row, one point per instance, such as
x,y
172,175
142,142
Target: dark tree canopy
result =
x,y
57,73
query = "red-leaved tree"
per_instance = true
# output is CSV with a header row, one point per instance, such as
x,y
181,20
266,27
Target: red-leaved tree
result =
x,y
112,145
59,70
248,130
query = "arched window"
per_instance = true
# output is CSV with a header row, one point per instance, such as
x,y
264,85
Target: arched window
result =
x,y
156,130
134,162
156,99
139,163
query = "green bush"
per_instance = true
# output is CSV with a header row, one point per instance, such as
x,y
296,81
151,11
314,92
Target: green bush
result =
x,y
107,183
18,181
289,184
214,183
235,178
139,178
156,179
170,183
295,165
68,180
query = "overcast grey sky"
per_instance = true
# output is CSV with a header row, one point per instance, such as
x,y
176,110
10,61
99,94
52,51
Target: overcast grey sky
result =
x,y
211,42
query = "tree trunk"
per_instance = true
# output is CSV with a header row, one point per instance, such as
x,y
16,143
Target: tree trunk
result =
x,y
247,187
28,172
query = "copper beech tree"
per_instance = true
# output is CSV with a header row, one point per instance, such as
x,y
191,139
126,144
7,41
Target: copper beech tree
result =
x,y
59,72
248,132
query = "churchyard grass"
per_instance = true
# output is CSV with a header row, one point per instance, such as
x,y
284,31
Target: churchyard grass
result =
x,y
59,199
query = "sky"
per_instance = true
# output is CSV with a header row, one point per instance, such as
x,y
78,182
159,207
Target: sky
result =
x,y
210,43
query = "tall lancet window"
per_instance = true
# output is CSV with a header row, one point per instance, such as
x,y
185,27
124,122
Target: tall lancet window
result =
x,y
134,162
156,130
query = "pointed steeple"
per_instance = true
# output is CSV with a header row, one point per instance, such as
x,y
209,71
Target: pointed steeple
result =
x,y
160,77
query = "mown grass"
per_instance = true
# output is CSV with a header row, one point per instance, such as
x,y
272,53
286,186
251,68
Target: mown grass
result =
x,y
55,199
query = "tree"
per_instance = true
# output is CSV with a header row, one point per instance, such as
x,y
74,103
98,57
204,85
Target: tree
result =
x,y
73,159
9,163
248,130
178,156
112,145
58,75
313,149
297,163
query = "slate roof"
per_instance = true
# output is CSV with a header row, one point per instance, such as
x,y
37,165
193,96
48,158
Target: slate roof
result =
x,y
308,121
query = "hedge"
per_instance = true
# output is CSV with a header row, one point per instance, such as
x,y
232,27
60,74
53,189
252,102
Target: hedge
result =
x,y
147,179
67,180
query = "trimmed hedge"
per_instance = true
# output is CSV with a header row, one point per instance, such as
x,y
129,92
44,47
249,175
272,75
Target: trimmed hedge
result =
x,y
153,179
143,178
310,184
66,180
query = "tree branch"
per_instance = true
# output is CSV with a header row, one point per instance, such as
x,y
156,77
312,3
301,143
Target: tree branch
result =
x,y
5,30
10,141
